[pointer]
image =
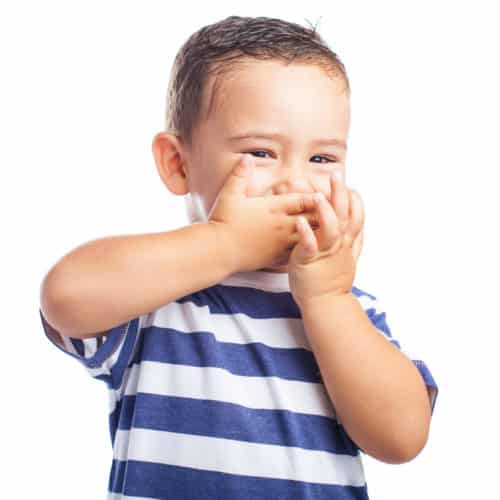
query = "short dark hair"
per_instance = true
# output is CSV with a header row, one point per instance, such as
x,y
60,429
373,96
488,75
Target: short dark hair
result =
x,y
217,49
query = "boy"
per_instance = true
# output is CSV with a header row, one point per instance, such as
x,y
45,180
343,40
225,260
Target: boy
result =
x,y
245,364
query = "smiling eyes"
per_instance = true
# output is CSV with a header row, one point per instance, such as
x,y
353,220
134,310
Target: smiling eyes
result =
x,y
329,160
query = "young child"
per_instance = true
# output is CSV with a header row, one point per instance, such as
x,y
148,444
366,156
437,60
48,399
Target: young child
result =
x,y
241,361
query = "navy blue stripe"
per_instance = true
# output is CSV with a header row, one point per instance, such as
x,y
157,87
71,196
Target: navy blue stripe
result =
x,y
227,420
428,379
224,299
123,360
185,483
379,321
104,350
78,345
256,303
110,345
202,349
395,342
358,293
116,476
105,378
51,335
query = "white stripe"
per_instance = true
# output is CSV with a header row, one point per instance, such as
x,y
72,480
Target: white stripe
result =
x,y
238,328
270,393
198,382
270,282
89,347
239,457
105,369
68,345
368,303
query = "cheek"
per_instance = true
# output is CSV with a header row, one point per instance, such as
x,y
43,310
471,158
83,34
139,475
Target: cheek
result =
x,y
257,185
261,182
265,181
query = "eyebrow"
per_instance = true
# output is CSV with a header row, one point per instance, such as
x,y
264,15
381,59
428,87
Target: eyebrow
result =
x,y
261,135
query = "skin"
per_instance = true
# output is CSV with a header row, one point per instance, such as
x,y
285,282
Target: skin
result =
x,y
300,101
378,393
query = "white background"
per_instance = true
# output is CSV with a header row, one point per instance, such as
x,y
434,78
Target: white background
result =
x,y
82,94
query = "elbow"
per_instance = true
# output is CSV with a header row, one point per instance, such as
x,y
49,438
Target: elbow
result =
x,y
52,299
411,434
53,288
407,446
406,453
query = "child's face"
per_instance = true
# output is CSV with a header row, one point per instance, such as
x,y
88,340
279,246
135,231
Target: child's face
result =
x,y
300,102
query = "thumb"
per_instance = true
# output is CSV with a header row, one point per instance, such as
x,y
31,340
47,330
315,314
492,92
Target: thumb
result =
x,y
237,181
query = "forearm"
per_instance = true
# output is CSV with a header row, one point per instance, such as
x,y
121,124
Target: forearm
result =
x,y
108,281
377,391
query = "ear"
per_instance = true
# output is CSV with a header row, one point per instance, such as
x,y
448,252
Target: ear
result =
x,y
170,158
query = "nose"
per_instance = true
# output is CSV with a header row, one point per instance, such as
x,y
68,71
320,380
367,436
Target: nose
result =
x,y
292,177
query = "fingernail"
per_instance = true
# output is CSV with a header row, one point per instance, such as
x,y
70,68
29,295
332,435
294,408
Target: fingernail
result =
x,y
337,175
246,164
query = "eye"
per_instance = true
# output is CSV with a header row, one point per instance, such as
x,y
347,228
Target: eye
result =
x,y
259,151
329,160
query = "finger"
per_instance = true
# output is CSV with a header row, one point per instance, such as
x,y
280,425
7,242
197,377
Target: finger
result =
x,y
358,245
328,222
312,218
339,198
292,203
307,237
292,224
357,216
239,177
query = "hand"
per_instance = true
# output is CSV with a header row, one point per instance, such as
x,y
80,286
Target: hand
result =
x,y
254,232
324,261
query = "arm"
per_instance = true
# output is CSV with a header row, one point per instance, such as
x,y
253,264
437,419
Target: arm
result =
x,y
377,391
109,281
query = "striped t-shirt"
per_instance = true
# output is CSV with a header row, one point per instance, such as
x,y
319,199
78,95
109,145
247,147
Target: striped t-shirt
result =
x,y
218,395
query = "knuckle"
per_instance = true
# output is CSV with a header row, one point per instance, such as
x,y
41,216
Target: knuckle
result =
x,y
302,204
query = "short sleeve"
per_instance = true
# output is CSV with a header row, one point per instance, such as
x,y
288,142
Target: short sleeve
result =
x,y
375,311
105,358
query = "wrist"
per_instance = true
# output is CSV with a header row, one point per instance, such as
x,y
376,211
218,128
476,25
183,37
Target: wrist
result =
x,y
225,246
330,299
